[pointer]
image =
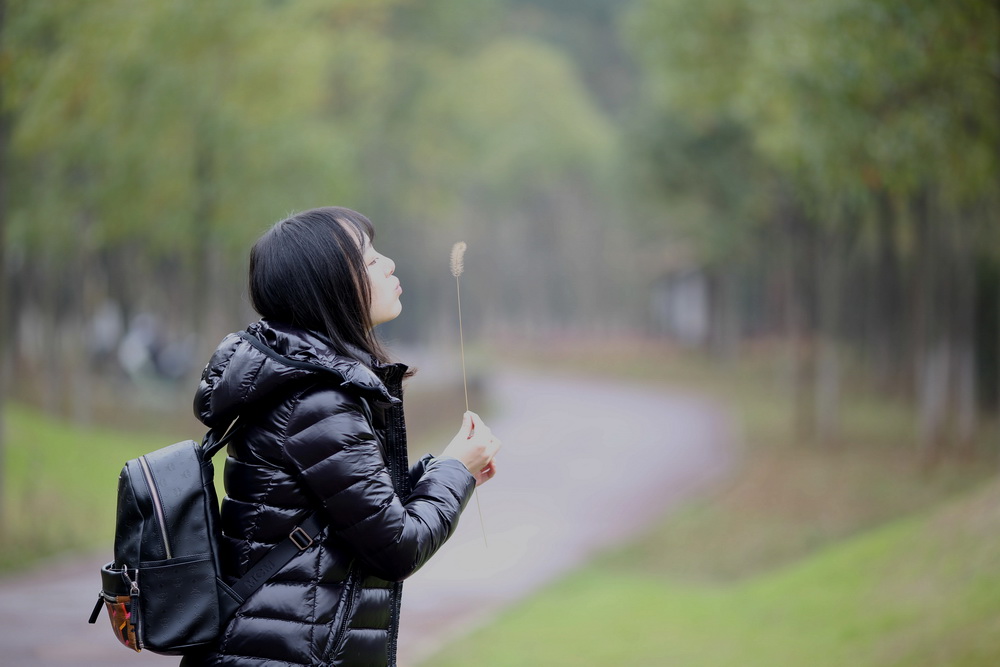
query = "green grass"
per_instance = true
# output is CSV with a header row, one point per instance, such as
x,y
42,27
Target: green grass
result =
x,y
921,591
61,484
782,505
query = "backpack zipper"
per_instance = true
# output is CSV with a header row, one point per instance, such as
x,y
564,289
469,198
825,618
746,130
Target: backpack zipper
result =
x,y
157,507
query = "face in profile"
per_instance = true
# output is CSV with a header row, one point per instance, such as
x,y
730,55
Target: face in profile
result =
x,y
384,287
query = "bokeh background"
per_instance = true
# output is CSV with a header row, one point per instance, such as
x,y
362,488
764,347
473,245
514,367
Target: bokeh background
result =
x,y
789,206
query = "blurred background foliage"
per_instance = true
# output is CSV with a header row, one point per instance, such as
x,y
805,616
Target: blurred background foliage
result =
x,y
791,205
811,183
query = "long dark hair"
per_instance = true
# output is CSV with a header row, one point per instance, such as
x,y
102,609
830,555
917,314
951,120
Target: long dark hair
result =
x,y
308,271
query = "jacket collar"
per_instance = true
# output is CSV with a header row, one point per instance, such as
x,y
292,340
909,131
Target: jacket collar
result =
x,y
309,346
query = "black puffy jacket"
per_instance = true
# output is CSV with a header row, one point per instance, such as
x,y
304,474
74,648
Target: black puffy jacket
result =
x,y
329,442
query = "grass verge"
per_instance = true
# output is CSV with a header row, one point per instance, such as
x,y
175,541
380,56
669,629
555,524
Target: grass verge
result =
x,y
61,484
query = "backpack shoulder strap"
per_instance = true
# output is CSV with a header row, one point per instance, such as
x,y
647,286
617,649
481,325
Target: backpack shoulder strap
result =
x,y
214,442
300,539
288,361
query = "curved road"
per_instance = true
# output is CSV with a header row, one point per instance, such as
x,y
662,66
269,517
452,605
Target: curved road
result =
x,y
585,464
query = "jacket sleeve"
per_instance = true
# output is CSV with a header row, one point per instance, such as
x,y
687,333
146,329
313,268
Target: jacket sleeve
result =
x,y
418,468
332,446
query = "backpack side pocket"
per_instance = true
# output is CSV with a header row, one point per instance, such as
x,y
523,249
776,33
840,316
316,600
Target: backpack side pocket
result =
x,y
120,594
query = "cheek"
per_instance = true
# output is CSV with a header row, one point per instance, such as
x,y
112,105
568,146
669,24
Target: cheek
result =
x,y
380,289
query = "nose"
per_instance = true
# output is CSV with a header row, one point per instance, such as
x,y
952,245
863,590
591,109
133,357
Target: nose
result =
x,y
391,267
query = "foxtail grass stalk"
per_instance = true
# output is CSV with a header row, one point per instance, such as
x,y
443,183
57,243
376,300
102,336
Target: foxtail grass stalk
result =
x,y
457,267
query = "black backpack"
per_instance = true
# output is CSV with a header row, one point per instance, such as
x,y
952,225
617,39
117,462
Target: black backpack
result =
x,y
164,591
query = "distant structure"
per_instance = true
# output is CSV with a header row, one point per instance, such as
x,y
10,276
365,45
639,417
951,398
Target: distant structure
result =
x,y
679,306
679,296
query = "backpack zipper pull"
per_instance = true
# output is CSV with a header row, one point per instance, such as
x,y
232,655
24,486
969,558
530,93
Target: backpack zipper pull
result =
x,y
97,608
133,583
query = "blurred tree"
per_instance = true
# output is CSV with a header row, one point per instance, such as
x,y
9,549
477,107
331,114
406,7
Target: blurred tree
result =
x,y
514,153
476,134
151,148
881,121
887,114
167,144
695,158
587,32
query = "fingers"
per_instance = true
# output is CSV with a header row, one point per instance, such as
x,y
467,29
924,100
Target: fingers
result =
x,y
487,473
494,445
489,470
475,445
479,428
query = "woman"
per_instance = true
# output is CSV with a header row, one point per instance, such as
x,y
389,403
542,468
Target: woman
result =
x,y
333,442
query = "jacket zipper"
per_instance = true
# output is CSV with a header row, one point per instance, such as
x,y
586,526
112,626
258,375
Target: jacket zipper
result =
x,y
348,610
157,507
396,597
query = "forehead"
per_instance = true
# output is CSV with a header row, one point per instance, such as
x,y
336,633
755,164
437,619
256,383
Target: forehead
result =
x,y
359,235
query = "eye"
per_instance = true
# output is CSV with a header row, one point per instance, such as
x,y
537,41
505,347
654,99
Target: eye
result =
x,y
371,262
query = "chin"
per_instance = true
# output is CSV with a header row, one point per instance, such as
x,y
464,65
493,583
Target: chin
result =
x,y
388,317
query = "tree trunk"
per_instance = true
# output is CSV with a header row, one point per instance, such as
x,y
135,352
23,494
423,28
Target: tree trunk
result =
x,y
889,334
992,214
933,397
929,354
946,394
204,237
725,327
964,324
6,320
830,284
800,358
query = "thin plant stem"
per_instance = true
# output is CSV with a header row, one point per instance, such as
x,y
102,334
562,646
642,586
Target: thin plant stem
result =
x,y
465,386
461,341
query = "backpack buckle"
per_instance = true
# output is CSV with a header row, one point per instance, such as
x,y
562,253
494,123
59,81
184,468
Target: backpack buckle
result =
x,y
300,538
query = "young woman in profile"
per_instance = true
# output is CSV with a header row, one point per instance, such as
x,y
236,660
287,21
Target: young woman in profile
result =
x,y
332,442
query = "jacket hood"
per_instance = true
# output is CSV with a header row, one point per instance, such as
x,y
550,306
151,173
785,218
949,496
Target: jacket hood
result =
x,y
244,372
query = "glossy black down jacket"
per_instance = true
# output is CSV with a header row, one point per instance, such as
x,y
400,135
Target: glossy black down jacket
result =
x,y
328,441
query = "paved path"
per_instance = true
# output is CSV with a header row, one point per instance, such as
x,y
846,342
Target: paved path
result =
x,y
584,466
